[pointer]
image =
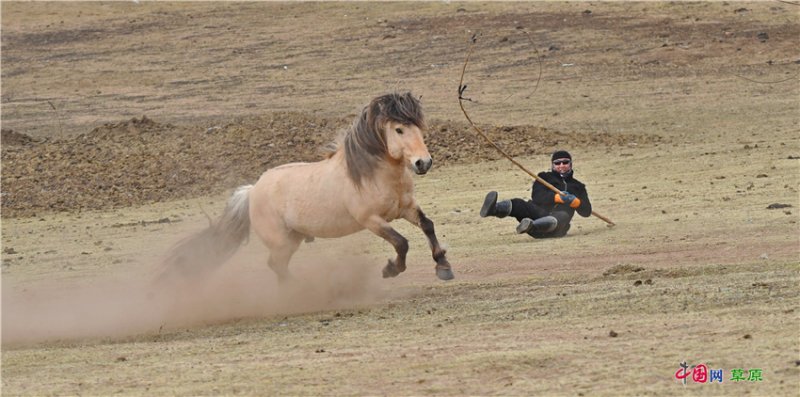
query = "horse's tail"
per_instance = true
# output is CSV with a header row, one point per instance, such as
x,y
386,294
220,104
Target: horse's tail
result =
x,y
198,254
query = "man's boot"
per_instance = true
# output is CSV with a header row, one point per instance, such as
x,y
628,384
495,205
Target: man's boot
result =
x,y
493,208
542,225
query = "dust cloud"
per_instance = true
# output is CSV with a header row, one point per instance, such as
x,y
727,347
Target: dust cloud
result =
x,y
113,308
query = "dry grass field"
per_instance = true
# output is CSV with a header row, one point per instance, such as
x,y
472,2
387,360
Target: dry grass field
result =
x,y
683,119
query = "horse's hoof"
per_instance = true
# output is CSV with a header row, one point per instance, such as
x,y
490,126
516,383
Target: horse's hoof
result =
x,y
390,270
445,274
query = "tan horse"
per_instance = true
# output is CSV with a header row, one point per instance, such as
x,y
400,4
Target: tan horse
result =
x,y
364,183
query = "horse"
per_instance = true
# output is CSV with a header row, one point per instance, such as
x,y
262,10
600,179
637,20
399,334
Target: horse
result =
x,y
363,182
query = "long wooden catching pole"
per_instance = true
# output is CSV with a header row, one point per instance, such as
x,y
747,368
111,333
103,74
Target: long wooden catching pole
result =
x,y
461,89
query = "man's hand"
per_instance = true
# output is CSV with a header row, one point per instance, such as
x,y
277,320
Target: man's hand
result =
x,y
568,199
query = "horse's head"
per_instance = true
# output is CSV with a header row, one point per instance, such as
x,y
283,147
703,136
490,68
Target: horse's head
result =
x,y
388,129
401,119
404,143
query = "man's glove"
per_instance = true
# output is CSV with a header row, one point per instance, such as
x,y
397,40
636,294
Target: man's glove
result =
x,y
568,199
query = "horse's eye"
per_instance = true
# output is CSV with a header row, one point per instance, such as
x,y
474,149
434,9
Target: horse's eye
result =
x,y
398,130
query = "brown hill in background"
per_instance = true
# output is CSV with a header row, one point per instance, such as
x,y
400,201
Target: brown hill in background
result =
x,y
143,161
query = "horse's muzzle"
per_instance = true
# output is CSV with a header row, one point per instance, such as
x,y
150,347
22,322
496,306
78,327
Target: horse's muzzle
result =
x,y
421,166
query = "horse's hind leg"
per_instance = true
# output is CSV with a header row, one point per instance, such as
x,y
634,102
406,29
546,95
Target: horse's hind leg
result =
x,y
443,268
281,253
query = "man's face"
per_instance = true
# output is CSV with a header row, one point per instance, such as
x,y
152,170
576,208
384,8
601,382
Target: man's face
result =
x,y
562,166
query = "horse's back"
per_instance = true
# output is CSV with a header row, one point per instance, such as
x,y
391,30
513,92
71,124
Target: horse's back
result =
x,y
307,198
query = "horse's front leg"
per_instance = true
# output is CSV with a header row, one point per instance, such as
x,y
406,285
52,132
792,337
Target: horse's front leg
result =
x,y
417,217
382,228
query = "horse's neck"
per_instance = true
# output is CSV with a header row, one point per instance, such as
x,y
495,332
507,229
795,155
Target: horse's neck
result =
x,y
393,174
386,173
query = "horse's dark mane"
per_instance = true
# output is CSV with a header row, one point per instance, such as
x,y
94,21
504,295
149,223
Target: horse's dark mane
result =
x,y
364,143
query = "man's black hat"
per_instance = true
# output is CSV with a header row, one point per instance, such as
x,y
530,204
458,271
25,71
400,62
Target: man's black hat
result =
x,y
560,154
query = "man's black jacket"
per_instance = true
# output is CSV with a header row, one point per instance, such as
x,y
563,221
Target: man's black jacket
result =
x,y
545,198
